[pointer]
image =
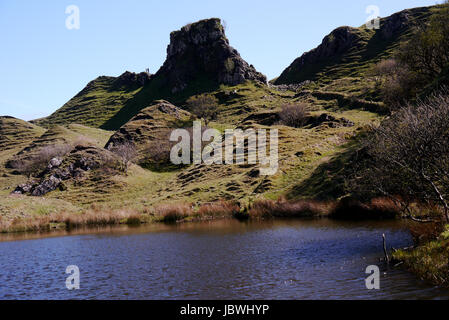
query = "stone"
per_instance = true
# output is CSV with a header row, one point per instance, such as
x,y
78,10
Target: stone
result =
x,y
23,188
80,160
55,162
46,186
131,79
202,51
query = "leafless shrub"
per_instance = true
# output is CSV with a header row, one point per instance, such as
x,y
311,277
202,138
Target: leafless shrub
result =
x,y
386,67
397,83
293,115
84,141
127,153
408,156
39,161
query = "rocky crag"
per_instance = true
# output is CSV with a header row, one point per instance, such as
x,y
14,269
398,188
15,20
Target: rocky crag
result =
x,y
202,51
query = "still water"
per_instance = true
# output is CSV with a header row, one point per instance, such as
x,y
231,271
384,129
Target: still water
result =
x,y
312,259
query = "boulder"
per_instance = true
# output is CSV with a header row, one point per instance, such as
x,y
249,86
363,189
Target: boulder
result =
x,y
46,186
73,166
54,163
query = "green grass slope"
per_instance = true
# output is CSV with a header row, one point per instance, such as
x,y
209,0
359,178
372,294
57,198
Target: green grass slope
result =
x,y
100,100
349,52
15,133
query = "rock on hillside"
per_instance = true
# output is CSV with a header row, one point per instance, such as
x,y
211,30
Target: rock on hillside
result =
x,y
131,80
73,166
201,51
56,141
346,49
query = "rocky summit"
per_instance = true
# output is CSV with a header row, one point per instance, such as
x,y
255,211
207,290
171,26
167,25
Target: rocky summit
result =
x,y
347,49
201,52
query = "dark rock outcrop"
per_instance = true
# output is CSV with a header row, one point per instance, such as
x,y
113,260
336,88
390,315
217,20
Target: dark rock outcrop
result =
x,y
74,166
329,120
132,80
201,52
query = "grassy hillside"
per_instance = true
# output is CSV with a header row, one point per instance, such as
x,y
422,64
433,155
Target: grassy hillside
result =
x,y
100,100
312,158
303,151
343,56
27,140
15,133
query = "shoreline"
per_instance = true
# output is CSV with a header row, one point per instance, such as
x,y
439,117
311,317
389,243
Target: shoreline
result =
x,y
95,216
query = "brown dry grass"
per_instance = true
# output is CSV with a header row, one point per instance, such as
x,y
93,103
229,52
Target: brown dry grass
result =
x,y
173,212
95,216
40,223
287,209
219,209
425,232
100,218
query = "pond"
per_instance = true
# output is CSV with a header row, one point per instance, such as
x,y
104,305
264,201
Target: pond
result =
x,y
281,259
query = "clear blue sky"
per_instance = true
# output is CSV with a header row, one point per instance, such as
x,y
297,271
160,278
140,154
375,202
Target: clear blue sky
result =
x,y
43,64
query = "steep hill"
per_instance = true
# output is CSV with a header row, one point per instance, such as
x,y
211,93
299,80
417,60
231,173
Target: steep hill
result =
x,y
98,101
349,52
199,59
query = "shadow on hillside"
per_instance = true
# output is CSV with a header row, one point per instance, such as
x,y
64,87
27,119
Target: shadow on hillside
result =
x,y
327,182
156,89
